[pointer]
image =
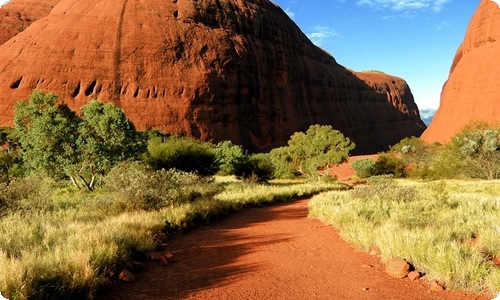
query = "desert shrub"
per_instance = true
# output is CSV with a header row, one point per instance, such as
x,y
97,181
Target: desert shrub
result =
x,y
388,163
181,154
257,168
363,167
26,193
136,187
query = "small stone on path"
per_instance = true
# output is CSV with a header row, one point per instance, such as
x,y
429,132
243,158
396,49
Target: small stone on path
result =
x,y
398,268
126,276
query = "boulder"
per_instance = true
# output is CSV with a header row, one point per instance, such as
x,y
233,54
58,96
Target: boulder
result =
x,y
398,268
471,92
214,70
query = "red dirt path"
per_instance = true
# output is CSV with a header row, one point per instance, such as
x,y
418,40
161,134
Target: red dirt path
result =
x,y
271,252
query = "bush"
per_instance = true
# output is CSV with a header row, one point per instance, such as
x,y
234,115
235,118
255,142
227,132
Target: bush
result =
x,y
181,154
227,156
135,187
363,167
28,193
257,168
389,164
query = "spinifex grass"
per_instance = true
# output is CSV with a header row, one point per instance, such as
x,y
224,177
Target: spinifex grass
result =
x,y
447,230
71,241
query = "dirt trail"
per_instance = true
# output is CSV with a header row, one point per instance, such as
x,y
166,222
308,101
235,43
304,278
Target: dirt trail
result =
x,y
271,252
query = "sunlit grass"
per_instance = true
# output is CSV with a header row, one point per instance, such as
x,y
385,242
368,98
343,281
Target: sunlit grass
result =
x,y
447,230
71,241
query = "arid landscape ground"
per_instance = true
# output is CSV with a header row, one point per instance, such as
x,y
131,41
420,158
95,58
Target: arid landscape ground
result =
x,y
272,252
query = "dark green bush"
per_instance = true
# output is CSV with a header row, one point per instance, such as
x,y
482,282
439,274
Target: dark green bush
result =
x,y
257,168
388,163
182,154
363,167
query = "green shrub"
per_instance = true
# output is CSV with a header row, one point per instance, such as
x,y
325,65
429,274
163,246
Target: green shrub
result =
x,y
135,187
227,156
388,163
257,168
363,167
28,193
182,154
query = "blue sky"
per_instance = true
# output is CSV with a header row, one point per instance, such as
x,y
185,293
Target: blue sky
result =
x,y
412,39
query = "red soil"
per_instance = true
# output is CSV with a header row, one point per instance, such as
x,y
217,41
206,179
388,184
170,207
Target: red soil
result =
x,y
272,252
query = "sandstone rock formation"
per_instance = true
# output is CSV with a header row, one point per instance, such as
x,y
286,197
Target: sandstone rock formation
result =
x,y
17,15
212,69
472,90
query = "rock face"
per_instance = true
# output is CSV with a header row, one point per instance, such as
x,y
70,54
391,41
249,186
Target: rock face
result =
x,y
212,69
17,15
471,92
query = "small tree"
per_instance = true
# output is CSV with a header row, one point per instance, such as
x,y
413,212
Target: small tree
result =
x,y
47,133
319,147
105,137
58,143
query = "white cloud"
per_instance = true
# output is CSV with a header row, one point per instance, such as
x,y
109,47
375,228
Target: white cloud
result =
x,y
321,33
405,5
2,2
497,2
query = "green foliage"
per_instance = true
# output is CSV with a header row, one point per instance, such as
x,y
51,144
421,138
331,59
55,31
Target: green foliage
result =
x,y
105,138
256,168
58,143
479,151
320,146
363,167
388,163
227,156
135,187
47,133
182,154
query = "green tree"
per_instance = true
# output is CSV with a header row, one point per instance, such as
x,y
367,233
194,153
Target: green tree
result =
x,y
47,133
105,137
10,155
319,147
58,143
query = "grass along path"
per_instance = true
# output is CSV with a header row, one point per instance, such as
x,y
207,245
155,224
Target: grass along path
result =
x,y
448,230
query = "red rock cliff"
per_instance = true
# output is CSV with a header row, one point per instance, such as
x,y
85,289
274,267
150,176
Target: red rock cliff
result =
x,y
17,15
473,87
212,69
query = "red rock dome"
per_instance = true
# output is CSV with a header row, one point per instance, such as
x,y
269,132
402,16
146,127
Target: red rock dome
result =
x,y
473,87
212,69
